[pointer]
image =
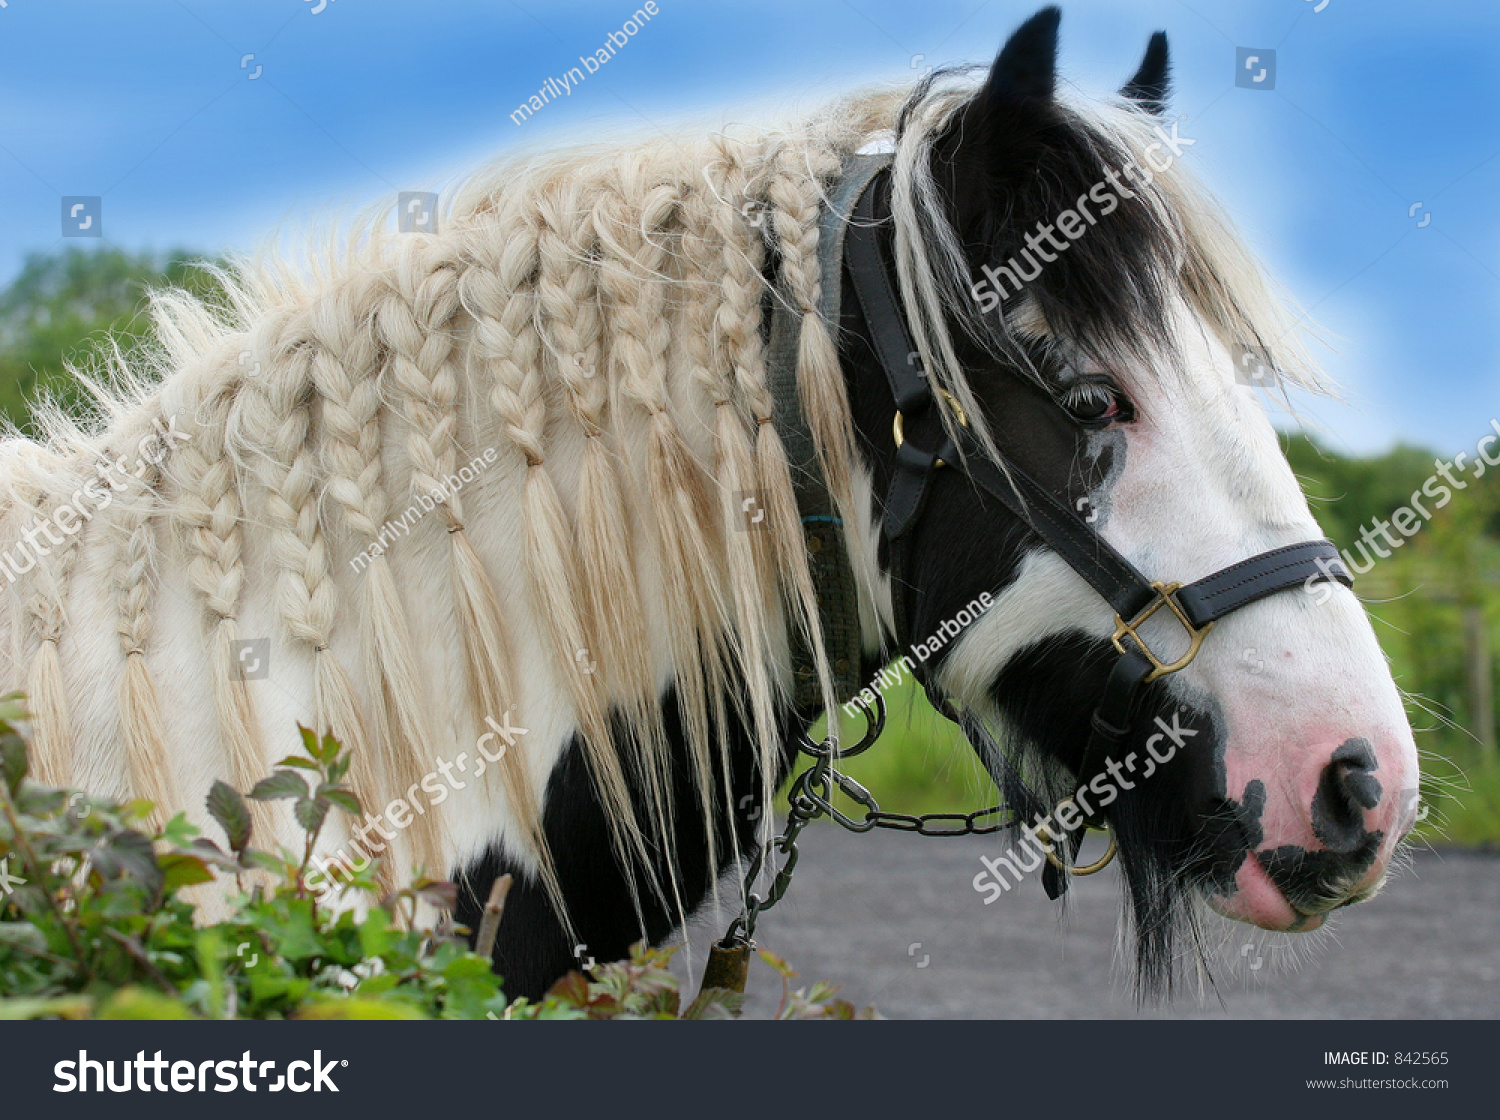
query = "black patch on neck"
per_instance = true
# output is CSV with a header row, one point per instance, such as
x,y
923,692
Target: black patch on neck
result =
x,y
532,950
1177,831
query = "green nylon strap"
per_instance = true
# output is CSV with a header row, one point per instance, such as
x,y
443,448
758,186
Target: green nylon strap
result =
x,y
828,556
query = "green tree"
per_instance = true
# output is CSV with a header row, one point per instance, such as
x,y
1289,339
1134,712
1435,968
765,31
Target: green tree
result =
x,y
63,304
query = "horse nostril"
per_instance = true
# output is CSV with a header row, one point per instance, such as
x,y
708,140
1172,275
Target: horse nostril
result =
x,y
1346,789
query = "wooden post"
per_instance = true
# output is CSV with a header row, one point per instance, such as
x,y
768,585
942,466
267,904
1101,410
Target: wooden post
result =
x,y
1481,690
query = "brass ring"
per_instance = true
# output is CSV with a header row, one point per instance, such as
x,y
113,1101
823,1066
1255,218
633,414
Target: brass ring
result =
x,y
898,423
1087,869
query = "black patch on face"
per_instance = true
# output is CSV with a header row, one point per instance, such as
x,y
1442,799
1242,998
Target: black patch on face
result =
x,y
532,950
966,543
1316,881
1177,830
1230,830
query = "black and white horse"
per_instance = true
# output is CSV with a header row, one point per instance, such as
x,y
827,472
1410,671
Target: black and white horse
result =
x,y
1109,374
640,410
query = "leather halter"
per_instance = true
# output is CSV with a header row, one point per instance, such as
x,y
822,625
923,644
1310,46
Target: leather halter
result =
x,y
924,446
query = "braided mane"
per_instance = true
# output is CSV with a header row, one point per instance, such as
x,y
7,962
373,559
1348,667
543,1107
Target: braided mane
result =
x,y
589,323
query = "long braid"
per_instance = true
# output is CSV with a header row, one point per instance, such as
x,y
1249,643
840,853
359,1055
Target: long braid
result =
x,y
135,529
751,560
499,292
345,370
274,417
571,323
416,323
207,509
45,605
795,192
632,283
739,324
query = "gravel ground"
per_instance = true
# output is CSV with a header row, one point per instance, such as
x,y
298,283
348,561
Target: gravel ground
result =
x,y
896,922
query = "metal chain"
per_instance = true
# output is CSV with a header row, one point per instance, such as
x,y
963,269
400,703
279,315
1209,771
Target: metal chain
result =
x,y
811,797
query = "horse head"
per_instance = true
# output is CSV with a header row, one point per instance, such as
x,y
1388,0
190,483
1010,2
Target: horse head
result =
x,y
1081,322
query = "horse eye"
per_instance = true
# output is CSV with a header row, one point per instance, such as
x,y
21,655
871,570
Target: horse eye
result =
x,y
1095,404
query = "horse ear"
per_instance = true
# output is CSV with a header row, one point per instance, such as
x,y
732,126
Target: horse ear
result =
x,y
1026,67
1152,83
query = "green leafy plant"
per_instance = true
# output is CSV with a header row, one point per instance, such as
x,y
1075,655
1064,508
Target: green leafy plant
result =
x,y
97,920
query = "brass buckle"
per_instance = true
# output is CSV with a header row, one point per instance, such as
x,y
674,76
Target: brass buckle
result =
x,y
898,425
1165,593
1089,868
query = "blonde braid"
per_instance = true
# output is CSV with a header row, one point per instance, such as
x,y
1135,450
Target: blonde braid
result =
x,y
739,323
275,417
633,256
795,192
498,291
134,529
207,509
416,323
345,369
45,605
572,323
752,572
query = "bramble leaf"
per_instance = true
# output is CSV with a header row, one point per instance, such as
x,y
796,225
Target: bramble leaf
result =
x,y
282,784
310,813
227,807
343,798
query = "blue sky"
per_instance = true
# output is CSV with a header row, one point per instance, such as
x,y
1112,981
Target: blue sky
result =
x,y
1378,105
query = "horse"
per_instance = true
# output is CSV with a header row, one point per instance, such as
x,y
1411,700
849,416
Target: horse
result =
x,y
570,505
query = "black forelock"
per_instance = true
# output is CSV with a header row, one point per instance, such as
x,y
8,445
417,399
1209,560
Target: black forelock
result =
x,y
1008,169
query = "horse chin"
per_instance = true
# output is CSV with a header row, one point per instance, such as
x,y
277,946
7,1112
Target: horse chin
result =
x,y
1257,901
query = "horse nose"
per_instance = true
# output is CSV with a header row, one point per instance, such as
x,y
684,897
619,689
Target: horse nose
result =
x,y
1347,788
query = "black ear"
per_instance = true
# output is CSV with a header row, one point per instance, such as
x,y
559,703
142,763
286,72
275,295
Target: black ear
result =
x,y
1026,67
1152,83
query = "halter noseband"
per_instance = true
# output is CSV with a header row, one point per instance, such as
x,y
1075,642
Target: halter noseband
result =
x,y
924,445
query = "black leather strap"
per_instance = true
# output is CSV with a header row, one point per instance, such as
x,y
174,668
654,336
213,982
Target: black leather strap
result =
x,y
1090,555
877,301
1231,588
